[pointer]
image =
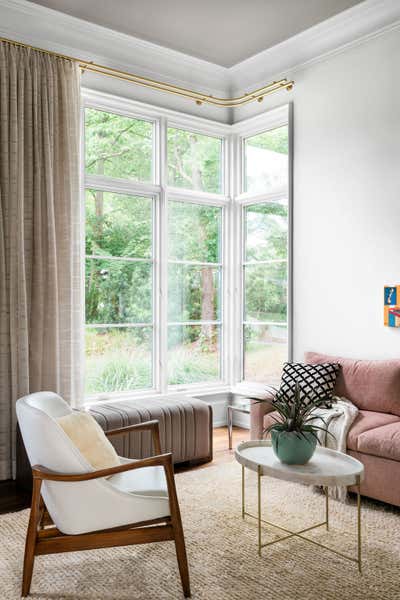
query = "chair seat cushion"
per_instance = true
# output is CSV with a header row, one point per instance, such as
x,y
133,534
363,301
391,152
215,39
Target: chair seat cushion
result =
x,y
366,420
382,441
149,481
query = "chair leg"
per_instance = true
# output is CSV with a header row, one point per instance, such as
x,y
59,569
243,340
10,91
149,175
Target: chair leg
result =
x,y
182,559
31,537
178,531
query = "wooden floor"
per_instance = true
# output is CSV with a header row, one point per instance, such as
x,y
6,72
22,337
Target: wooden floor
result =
x,y
222,454
12,499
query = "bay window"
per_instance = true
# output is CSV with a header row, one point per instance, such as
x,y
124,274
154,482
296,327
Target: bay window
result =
x,y
163,218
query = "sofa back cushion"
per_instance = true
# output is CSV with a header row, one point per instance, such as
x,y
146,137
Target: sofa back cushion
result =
x,y
369,384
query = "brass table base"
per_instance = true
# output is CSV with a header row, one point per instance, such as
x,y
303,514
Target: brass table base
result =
x,y
299,534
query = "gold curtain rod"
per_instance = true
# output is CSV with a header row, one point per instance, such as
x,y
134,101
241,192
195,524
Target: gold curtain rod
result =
x,y
200,98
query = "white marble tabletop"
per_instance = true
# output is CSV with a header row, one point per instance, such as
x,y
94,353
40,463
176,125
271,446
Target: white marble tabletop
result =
x,y
327,467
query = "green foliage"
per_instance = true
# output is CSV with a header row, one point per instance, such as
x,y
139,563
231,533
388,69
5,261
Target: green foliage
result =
x,y
194,232
118,359
118,146
274,139
118,225
194,161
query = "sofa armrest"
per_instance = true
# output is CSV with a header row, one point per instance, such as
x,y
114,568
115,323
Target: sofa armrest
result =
x,y
257,411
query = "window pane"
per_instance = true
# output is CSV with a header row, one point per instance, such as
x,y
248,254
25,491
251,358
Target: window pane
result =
x,y
266,292
194,161
118,146
265,351
118,359
194,232
193,293
266,161
118,291
193,354
266,231
118,225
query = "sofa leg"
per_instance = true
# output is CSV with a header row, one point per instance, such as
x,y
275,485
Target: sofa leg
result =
x,y
31,537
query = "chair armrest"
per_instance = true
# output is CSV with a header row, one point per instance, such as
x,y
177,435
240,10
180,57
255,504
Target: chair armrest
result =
x,y
153,426
45,474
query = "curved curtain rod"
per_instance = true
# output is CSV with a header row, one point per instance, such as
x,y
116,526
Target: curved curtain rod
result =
x,y
200,98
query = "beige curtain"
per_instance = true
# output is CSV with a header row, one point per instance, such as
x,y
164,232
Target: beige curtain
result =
x,y
40,234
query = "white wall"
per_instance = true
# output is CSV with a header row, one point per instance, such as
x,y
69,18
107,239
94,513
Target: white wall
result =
x,y
347,199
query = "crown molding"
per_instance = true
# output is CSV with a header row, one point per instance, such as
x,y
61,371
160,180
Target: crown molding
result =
x,y
338,33
46,28
52,30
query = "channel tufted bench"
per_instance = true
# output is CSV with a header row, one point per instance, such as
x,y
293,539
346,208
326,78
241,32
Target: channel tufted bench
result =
x,y
185,427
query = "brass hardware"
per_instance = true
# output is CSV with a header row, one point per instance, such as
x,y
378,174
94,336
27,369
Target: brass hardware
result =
x,y
169,88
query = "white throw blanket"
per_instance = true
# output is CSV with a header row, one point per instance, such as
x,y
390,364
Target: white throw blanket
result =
x,y
337,420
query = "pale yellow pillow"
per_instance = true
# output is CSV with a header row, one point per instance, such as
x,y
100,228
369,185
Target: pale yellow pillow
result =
x,y
90,439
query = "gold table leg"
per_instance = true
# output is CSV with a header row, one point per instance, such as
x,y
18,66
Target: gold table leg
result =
x,y
359,523
299,534
243,491
259,509
327,507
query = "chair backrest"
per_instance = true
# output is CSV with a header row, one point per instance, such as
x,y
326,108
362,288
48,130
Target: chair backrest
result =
x,y
70,504
45,441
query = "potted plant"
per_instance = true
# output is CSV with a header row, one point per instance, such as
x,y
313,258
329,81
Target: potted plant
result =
x,y
294,433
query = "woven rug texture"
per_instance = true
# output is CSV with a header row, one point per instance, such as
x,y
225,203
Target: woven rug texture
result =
x,y
222,550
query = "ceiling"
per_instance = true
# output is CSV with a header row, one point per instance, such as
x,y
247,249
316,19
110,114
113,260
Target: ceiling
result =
x,y
223,32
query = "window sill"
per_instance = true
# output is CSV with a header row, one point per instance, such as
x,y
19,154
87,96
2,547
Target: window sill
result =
x,y
187,390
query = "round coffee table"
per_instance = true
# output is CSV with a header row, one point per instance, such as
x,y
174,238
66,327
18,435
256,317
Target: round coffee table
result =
x,y
326,468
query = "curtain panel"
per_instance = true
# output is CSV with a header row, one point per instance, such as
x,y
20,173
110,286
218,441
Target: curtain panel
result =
x,y
41,315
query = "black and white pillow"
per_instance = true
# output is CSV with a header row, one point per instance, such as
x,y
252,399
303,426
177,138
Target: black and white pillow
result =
x,y
315,381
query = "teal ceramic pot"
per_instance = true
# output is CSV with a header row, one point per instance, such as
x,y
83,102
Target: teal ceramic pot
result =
x,y
292,448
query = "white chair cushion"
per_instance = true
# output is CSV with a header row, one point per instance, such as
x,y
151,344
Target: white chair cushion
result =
x,y
150,481
90,439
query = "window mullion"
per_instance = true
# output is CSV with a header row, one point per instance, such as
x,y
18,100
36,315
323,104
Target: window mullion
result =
x,y
161,366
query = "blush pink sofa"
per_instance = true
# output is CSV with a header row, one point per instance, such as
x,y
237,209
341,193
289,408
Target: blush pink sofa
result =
x,y
374,438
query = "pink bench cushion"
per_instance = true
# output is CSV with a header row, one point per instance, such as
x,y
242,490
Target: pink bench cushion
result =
x,y
370,384
366,420
382,441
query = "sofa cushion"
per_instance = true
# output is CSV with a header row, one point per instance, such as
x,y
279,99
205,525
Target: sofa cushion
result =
x,y
370,384
315,381
366,420
382,441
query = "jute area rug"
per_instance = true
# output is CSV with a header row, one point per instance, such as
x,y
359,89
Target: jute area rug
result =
x,y
222,551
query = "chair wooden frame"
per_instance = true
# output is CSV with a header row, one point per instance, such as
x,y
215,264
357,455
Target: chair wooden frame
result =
x,y
44,538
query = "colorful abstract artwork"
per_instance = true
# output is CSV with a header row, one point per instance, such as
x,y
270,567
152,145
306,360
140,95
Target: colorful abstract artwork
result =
x,y
391,313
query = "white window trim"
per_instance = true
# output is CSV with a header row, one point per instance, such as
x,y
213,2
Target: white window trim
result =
x,y
232,201
259,124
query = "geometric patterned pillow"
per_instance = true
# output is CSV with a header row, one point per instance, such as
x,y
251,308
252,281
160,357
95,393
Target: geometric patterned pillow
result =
x,y
315,381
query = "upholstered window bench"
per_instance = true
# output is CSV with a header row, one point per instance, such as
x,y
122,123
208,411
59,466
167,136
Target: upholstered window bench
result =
x,y
185,427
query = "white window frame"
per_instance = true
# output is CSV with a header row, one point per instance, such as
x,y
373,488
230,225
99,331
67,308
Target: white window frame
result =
x,y
232,201
273,119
